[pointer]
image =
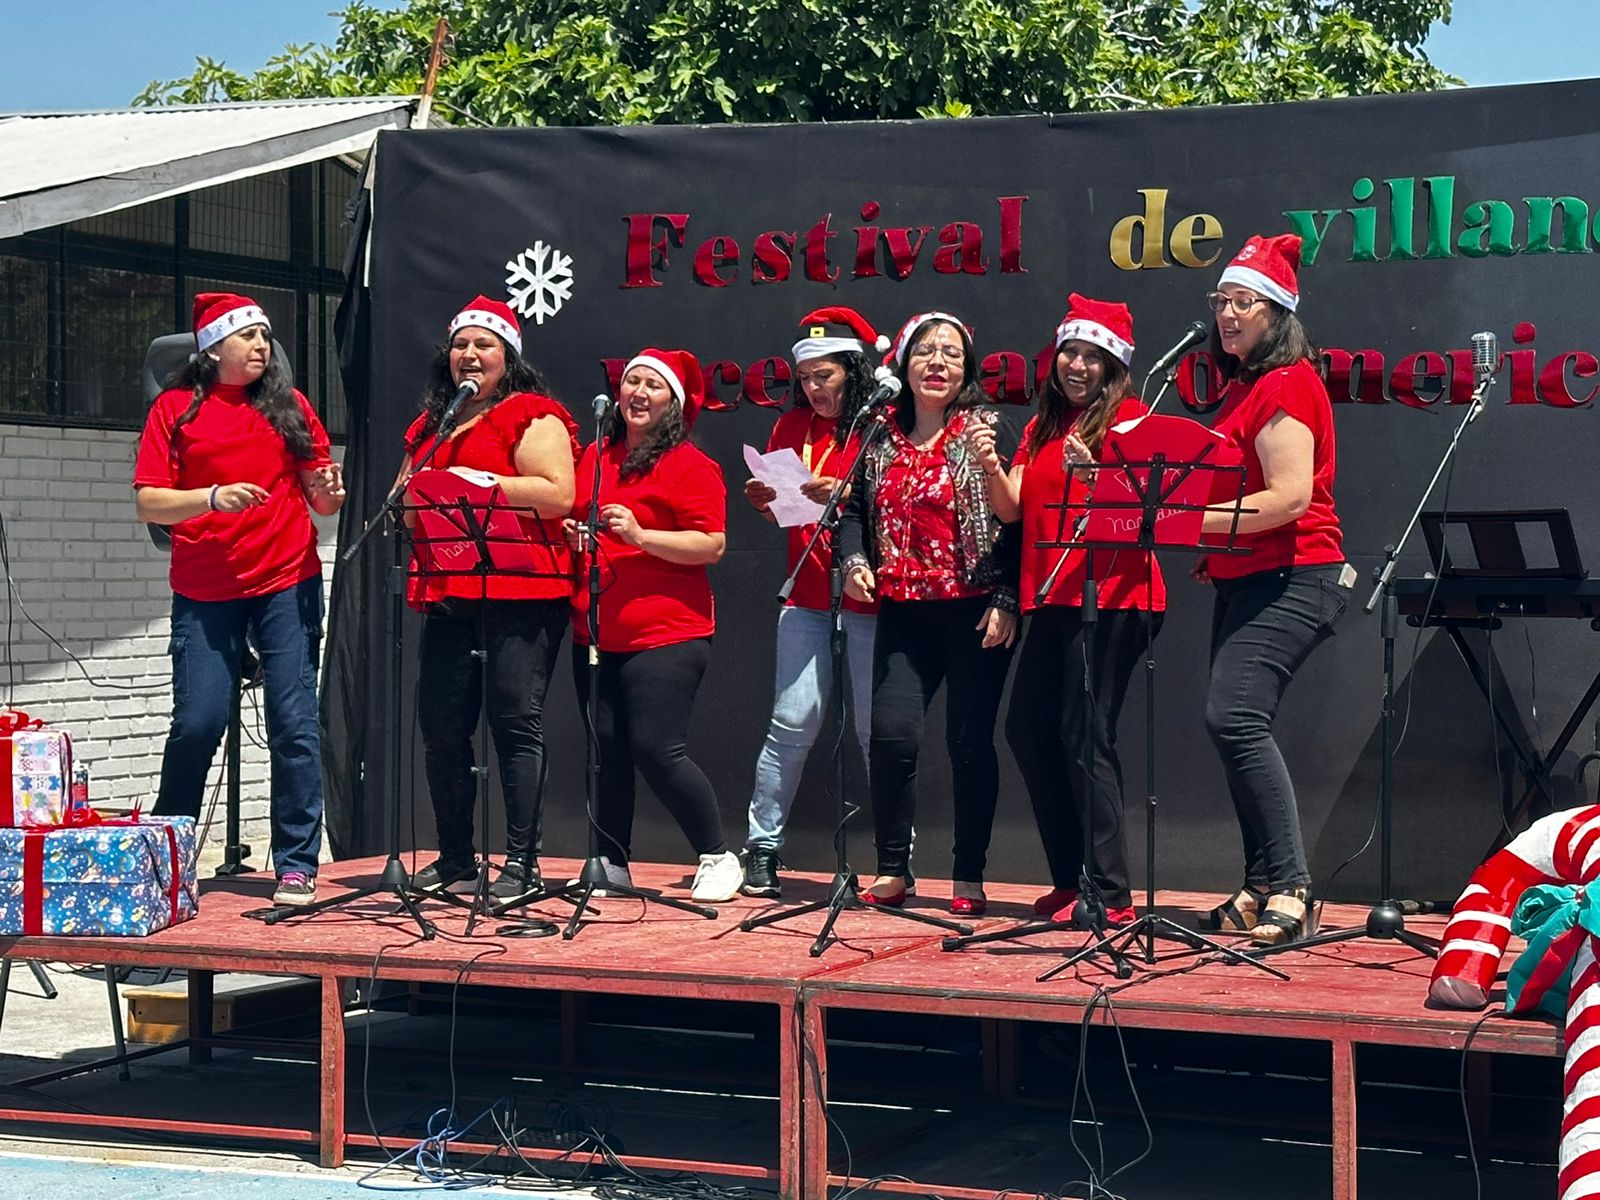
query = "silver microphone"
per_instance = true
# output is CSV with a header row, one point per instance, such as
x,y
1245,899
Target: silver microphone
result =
x,y
1485,354
602,406
888,388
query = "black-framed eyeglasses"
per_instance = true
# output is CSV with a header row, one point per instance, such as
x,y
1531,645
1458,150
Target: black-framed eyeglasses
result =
x,y
1241,304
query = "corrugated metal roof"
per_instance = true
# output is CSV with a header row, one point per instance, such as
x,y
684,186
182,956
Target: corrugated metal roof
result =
x,y
60,167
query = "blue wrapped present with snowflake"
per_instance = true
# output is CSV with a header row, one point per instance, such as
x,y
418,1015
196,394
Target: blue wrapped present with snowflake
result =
x,y
98,877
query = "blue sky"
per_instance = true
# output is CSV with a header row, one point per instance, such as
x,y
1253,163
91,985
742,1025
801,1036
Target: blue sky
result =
x,y
100,53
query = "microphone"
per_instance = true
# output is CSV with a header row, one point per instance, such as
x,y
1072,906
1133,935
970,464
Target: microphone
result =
x,y
1194,333
1485,354
602,406
452,411
889,386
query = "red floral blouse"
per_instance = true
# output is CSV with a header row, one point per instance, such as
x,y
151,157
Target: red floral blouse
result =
x,y
918,533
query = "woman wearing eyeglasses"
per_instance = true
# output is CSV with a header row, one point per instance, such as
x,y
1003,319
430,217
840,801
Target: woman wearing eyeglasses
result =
x,y
1283,599
922,537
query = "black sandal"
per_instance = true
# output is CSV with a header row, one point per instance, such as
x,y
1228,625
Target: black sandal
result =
x,y
1287,917
1239,913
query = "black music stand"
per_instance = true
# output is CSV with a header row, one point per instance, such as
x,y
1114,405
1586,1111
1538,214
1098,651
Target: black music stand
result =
x,y
465,528
592,878
843,890
1132,509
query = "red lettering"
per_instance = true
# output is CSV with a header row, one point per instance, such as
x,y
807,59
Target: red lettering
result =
x,y
613,369
818,268
1354,375
1199,382
647,253
762,375
1004,376
714,254
867,242
904,246
960,250
1411,371
1462,376
721,371
1553,379
1011,235
774,257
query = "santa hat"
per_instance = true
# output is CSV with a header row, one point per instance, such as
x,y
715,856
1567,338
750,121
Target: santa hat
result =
x,y
1101,323
681,370
909,330
219,314
1270,267
494,315
836,331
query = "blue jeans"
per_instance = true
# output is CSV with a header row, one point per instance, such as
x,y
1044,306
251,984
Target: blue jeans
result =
x,y
804,682
208,640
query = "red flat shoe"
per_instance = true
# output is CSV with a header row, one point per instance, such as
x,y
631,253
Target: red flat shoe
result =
x,y
1054,901
1121,916
969,906
893,900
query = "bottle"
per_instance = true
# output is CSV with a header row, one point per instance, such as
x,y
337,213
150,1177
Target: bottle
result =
x,y
78,797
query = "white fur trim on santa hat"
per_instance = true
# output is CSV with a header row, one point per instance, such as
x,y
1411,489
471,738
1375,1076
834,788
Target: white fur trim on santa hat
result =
x,y
1257,282
916,323
493,322
661,369
808,348
1095,334
229,323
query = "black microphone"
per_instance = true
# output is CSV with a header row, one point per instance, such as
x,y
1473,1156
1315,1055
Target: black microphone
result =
x,y
888,388
1195,333
452,411
1485,354
602,406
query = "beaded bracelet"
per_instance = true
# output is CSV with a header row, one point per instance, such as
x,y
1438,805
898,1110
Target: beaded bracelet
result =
x,y
211,500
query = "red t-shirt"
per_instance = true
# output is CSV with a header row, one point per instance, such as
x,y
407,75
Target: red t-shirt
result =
x,y
231,556
1315,538
646,601
1123,578
917,529
811,437
490,444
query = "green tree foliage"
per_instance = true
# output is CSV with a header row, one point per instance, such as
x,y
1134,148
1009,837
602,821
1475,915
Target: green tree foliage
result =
x,y
549,62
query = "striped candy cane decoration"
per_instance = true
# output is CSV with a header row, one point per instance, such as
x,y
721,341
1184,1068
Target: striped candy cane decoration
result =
x,y
1561,848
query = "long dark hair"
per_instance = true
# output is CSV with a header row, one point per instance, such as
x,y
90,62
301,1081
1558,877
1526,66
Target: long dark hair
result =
x,y
272,395
520,376
670,432
971,393
1056,415
1285,343
858,385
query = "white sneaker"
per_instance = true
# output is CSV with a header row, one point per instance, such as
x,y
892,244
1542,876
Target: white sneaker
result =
x,y
717,878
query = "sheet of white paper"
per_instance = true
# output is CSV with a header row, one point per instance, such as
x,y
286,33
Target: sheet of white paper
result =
x,y
784,473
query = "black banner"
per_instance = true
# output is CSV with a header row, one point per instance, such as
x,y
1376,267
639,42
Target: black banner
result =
x,y
1425,218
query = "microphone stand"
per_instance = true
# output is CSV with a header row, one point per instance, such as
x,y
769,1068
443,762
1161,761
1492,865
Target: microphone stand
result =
x,y
394,880
1385,921
843,891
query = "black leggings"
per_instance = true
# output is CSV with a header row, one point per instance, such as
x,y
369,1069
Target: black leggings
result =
x,y
523,638
642,713
1045,728
1263,628
921,644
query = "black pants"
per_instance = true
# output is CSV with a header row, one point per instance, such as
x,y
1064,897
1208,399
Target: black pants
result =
x,y
1263,628
921,644
642,720
523,638
1045,728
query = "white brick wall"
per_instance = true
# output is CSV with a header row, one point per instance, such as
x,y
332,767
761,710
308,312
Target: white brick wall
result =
x,y
87,572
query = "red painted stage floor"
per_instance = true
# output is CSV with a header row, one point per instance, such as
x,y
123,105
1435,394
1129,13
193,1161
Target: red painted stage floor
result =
x,y
1339,1005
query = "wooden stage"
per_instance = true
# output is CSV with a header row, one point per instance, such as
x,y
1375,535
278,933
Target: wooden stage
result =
x,y
1344,997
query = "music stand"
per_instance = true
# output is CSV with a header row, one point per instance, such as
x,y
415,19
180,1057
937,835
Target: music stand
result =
x,y
593,878
1157,479
843,890
465,528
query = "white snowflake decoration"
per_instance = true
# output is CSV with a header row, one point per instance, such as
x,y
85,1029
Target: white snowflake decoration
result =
x,y
539,281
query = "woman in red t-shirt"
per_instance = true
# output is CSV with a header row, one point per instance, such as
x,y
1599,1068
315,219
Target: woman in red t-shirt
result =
x,y
832,383
921,536
661,522
511,446
231,458
1279,602
1088,391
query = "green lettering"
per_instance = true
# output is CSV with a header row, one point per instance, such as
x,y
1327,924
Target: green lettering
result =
x,y
1488,229
1441,191
1304,222
1402,201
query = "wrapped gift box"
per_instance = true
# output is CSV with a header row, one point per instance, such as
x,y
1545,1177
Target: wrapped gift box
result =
x,y
124,878
35,772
